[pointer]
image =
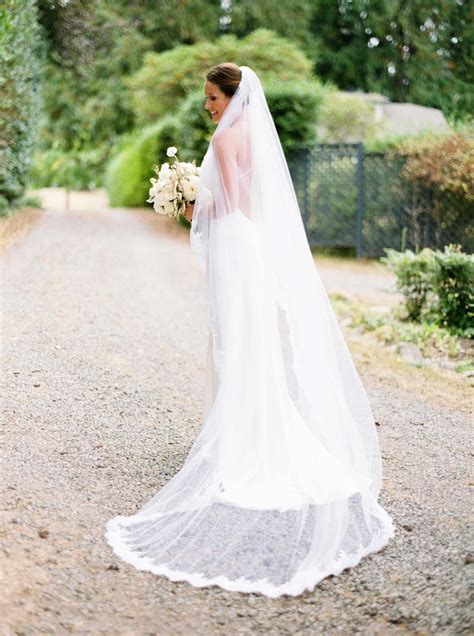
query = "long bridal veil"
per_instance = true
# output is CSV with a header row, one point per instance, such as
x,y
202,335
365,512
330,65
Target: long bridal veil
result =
x,y
280,488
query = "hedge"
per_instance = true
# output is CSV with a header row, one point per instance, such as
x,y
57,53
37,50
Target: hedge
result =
x,y
128,175
20,77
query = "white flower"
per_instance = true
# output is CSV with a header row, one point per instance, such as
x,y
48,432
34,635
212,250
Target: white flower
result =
x,y
164,171
176,185
190,185
169,208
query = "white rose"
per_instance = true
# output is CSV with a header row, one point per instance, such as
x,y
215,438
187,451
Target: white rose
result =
x,y
153,192
156,188
190,185
169,208
158,208
161,199
169,191
171,152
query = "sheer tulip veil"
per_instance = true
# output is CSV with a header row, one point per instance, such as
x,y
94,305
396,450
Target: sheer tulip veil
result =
x,y
280,488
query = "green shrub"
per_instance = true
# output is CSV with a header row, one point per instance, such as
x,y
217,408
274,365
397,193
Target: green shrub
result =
x,y
453,280
20,76
346,118
165,79
437,178
437,286
294,106
128,175
414,274
444,161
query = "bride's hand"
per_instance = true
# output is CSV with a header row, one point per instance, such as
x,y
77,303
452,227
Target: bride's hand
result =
x,y
188,211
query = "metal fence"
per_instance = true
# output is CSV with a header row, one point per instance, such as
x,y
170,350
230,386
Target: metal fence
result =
x,y
358,200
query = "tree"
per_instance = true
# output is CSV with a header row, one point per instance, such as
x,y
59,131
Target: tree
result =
x,y
410,50
290,20
167,23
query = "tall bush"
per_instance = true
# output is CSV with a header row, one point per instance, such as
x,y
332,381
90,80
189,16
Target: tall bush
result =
x,y
128,175
295,110
438,179
165,79
446,162
20,76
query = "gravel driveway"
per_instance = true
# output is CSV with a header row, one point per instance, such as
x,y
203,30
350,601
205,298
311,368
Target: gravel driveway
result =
x,y
105,337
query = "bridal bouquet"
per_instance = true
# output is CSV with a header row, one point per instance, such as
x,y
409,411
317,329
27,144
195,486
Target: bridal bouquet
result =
x,y
175,187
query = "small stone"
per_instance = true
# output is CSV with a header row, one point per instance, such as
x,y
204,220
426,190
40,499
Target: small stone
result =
x,y
43,533
407,526
447,364
469,558
114,567
410,352
37,384
396,618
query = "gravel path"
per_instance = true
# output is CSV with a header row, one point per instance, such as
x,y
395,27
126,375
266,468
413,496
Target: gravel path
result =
x,y
105,337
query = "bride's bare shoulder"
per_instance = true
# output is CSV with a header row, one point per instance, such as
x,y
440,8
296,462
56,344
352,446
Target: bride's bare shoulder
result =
x,y
226,138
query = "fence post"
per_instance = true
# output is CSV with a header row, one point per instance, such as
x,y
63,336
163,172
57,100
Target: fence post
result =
x,y
360,200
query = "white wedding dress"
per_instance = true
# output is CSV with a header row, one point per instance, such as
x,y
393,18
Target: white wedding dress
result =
x,y
280,488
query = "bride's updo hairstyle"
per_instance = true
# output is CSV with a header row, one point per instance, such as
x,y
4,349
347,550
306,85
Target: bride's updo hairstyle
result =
x,y
226,76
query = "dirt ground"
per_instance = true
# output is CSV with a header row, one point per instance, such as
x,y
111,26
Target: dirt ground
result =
x,y
104,342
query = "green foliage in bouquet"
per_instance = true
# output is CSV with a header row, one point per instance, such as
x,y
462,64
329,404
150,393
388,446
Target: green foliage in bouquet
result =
x,y
165,79
128,175
438,286
20,76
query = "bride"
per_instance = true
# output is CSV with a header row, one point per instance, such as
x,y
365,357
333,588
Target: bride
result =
x,y
280,487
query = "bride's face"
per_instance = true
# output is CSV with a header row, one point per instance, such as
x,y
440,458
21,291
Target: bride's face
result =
x,y
216,101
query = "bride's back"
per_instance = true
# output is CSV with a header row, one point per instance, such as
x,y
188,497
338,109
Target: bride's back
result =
x,y
233,153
